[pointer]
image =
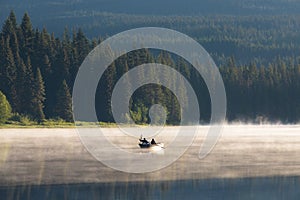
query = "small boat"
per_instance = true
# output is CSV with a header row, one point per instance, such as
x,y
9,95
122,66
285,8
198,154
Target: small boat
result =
x,y
146,144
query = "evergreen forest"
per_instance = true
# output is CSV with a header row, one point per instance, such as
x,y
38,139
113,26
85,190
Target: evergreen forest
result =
x,y
258,58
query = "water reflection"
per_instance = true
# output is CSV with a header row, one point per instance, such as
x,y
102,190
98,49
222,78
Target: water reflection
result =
x,y
246,189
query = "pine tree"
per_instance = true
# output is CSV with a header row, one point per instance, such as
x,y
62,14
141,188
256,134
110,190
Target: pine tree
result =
x,y
82,45
28,36
20,83
7,28
46,71
39,96
27,92
61,66
26,27
5,108
9,72
109,82
63,108
127,90
12,17
2,64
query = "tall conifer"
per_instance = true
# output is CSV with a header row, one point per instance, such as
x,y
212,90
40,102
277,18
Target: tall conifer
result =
x,y
63,107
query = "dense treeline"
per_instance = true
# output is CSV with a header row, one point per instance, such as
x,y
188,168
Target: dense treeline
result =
x,y
249,38
269,93
37,72
259,38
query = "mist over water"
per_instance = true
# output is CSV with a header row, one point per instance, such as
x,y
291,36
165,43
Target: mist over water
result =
x,y
248,162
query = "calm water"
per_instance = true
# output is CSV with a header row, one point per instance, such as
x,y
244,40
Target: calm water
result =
x,y
242,151
248,188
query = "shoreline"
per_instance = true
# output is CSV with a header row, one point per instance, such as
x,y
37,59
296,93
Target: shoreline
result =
x,y
112,125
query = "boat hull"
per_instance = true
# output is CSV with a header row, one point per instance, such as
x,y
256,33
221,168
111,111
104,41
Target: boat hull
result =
x,y
148,145
143,145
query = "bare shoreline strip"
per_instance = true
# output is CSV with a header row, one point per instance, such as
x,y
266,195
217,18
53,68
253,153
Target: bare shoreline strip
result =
x,y
57,156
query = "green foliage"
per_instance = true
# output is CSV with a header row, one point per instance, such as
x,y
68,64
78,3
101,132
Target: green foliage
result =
x,y
25,120
21,121
37,70
139,113
39,97
64,103
5,109
56,123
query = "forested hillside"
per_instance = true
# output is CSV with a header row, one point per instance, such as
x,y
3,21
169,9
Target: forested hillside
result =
x,y
55,15
37,72
260,39
249,30
51,8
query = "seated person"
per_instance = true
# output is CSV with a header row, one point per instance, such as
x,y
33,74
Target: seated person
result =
x,y
144,140
153,141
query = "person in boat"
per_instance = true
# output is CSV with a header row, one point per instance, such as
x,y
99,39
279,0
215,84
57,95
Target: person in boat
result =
x,y
153,141
144,140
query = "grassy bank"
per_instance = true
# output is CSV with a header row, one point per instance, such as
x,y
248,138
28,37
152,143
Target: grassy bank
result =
x,y
52,124
35,124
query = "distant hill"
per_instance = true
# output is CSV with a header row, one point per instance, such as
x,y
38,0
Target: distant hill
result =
x,y
43,11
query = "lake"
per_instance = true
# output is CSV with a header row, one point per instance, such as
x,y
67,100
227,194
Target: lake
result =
x,y
276,188
248,162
